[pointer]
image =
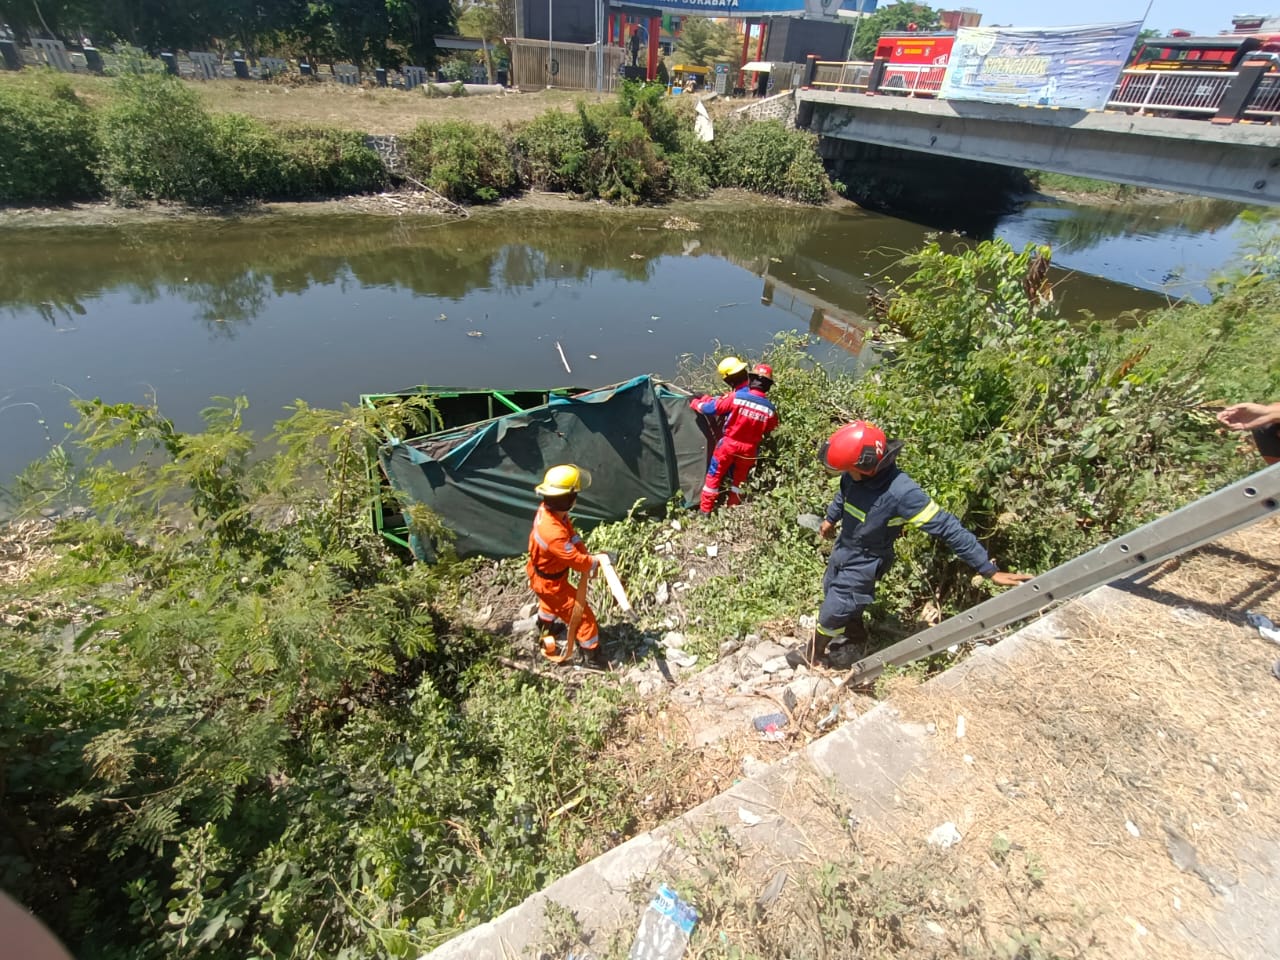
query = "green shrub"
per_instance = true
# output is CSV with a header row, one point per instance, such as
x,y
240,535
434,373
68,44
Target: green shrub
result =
x,y
251,158
551,152
461,160
158,143
326,162
651,105
622,166
692,169
48,146
768,158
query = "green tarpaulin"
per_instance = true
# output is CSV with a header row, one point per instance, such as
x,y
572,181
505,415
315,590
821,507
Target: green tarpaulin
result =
x,y
639,439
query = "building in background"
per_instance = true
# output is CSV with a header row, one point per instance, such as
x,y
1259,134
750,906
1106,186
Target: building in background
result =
x,y
953,20
1254,23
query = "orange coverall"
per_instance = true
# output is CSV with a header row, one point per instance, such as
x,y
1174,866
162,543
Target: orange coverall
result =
x,y
554,550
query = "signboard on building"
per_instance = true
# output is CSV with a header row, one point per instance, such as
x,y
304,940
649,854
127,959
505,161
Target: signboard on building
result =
x,y
1072,67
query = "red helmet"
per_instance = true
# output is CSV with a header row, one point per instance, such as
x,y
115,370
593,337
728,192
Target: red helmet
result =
x,y
763,370
857,447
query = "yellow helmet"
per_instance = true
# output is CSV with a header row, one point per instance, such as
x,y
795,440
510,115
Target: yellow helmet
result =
x,y
562,479
730,366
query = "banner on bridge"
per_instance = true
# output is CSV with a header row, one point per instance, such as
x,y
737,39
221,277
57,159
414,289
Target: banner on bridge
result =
x,y
1074,67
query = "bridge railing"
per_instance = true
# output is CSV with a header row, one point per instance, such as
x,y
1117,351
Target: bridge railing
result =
x,y
839,76
1184,91
913,79
1265,103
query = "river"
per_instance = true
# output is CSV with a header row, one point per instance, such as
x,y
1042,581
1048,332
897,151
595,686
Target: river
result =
x,y
324,308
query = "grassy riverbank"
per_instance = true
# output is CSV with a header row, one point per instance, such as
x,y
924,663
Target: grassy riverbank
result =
x,y
153,138
241,728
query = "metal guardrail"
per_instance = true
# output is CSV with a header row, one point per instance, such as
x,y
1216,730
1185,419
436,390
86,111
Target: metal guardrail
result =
x,y
1238,505
840,76
1184,91
1265,104
913,79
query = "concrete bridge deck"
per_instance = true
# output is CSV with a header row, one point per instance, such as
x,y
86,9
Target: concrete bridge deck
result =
x,y
1239,161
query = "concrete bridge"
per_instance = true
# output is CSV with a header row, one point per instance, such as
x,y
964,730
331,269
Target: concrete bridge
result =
x,y
1239,161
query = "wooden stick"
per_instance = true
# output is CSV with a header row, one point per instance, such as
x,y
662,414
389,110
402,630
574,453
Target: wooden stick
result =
x,y
615,585
562,359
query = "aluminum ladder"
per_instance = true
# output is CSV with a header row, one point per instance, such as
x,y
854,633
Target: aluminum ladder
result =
x,y
1239,505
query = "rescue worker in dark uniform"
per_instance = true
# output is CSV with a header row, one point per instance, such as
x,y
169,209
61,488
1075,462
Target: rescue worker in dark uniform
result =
x,y
876,503
749,417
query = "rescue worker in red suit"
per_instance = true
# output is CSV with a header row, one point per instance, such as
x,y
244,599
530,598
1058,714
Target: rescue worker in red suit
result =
x,y
749,417
554,549
877,502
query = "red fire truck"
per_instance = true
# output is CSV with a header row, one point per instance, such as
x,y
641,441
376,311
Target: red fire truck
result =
x,y
913,62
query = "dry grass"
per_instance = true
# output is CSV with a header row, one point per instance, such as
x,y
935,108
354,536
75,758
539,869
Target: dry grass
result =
x,y
1156,715
1117,790
368,110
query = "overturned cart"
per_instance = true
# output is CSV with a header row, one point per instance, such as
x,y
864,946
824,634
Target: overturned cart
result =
x,y
641,442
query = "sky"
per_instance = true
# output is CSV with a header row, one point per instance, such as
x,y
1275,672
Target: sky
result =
x,y
1199,17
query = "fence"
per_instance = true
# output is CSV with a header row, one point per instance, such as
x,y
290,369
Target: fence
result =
x,y
838,76
1183,91
537,64
913,79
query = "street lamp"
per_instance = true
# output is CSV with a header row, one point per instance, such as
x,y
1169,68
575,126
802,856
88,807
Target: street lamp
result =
x,y
856,17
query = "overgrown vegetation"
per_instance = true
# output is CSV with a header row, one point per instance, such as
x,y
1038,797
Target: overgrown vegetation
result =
x,y
1046,434
48,151
232,726
154,141
1082,186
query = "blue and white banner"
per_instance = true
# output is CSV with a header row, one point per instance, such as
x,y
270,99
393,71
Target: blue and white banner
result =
x,y
1074,67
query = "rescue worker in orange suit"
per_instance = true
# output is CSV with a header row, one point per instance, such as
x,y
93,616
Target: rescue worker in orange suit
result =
x,y
554,549
749,417
876,503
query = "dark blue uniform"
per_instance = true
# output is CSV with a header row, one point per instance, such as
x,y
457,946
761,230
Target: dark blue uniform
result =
x,y
872,514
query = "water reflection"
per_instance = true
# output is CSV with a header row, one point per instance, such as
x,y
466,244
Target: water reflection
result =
x,y
324,308
1174,247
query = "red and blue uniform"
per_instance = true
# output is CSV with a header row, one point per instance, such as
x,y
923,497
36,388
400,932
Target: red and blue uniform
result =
x,y
749,417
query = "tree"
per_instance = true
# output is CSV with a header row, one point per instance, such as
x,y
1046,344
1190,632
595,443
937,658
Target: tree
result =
x,y
891,19
696,45
415,23
1139,41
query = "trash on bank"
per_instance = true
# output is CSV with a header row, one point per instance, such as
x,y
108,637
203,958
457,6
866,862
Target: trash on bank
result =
x,y
665,927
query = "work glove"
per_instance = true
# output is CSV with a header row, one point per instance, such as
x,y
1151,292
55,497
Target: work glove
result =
x,y
696,402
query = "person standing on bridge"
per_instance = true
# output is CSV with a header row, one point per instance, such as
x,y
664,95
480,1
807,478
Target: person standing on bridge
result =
x,y
876,503
1262,419
749,417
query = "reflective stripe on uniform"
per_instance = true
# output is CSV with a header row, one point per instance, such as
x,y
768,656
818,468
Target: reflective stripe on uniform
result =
x,y
854,512
537,538
836,632
925,515
706,489
736,489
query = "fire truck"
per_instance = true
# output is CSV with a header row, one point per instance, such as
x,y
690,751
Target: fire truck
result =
x,y
911,63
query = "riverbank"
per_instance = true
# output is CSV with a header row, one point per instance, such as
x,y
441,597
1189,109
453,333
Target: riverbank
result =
x,y
236,723
154,139
392,204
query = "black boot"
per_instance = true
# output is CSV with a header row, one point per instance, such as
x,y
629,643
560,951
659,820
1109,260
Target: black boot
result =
x,y
818,649
594,657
